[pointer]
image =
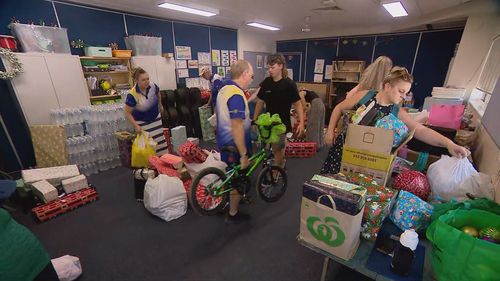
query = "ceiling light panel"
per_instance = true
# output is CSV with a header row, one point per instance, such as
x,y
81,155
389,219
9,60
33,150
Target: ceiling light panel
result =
x,y
396,9
263,26
189,10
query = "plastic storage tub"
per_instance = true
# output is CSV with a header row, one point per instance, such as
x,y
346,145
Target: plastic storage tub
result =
x,y
144,45
122,53
41,39
98,52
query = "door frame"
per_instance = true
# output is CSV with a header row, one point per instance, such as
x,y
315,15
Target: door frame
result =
x,y
295,53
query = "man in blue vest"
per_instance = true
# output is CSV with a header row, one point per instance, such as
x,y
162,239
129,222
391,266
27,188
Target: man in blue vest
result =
x,y
233,127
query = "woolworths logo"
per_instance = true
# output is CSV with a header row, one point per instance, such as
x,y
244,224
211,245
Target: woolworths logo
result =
x,y
329,232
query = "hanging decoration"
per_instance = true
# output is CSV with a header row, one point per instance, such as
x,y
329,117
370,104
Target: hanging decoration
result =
x,y
17,67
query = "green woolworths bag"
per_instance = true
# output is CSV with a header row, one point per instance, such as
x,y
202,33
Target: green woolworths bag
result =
x,y
458,256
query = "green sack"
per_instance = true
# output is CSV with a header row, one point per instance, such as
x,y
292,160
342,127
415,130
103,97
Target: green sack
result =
x,y
458,256
270,128
482,204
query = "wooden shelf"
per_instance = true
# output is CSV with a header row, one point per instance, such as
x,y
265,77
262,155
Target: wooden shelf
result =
x,y
104,72
103,58
343,81
96,98
348,61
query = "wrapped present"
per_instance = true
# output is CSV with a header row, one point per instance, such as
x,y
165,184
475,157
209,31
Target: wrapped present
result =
x,y
178,135
414,182
168,140
45,191
125,147
75,183
192,153
373,217
346,189
348,198
411,212
54,175
172,160
162,168
207,130
49,144
375,192
379,201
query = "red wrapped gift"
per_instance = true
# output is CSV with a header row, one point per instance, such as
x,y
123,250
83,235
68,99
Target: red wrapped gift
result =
x,y
414,182
192,153
166,134
162,167
8,42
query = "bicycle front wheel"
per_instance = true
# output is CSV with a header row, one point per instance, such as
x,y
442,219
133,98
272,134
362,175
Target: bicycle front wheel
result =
x,y
271,183
202,189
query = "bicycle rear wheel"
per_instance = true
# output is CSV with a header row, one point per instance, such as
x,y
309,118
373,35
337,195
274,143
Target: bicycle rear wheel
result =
x,y
271,183
200,193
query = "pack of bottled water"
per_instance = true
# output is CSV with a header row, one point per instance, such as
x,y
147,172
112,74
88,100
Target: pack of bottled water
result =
x,y
90,135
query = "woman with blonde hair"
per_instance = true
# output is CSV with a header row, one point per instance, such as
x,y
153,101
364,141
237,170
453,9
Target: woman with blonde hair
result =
x,y
372,77
142,108
386,101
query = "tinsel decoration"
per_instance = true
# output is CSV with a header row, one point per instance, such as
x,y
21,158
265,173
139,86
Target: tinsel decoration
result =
x,y
16,65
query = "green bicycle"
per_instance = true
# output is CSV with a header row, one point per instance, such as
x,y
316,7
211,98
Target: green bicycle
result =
x,y
209,192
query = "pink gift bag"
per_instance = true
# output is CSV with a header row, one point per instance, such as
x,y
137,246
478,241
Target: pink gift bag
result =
x,y
446,115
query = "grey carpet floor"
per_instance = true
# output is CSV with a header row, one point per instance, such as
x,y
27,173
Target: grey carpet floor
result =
x,y
117,239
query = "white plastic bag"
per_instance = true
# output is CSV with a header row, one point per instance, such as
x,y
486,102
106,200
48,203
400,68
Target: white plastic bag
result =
x,y
446,175
67,267
213,160
165,197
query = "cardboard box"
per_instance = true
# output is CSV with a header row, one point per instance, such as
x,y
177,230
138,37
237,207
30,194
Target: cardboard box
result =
x,y
75,183
54,175
45,191
368,150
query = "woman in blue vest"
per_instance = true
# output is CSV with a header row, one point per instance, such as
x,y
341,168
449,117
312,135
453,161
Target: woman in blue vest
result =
x,y
395,86
142,108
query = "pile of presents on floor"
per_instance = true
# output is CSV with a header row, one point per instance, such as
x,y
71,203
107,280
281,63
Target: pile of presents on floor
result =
x,y
447,202
56,190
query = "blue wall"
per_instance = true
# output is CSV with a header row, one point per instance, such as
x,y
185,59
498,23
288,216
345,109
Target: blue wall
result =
x,y
430,58
97,27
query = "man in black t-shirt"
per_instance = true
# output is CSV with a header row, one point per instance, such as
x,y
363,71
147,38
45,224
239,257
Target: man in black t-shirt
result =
x,y
278,93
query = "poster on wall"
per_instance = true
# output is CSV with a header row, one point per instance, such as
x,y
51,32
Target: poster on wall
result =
x,y
318,78
183,52
204,58
319,65
221,71
204,84
180,64
228,72
290,73
233,56
192,63
260,61
215,57
193,82
328,71
224,57
182,73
